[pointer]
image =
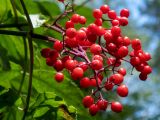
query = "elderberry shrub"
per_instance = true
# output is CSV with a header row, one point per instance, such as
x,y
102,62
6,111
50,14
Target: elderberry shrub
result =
x,y
106,56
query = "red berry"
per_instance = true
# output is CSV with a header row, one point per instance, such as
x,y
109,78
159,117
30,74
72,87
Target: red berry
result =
x,y
97,57
136,44
122,71
98,22
102,104
116,78
104,9
116,31
83,65
49,62
96,64
95,49
58,45
82,20
123,51
111,47
122,90
124,13
123,21
59,77
70,64
115,22
87,101
97,13
71,42
108,37
147,70
147,56
77,73
116,107
126,41
135,61
85,82
69,24
112,14
108,85
142,76
93,109
93,82
58,65
71,32
45,52
75,18
81,35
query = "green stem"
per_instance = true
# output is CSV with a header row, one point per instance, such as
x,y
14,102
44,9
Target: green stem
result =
x,y
31,58
13,25
24,34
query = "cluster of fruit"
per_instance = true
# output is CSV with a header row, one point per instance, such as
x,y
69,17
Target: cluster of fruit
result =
x,y
89,52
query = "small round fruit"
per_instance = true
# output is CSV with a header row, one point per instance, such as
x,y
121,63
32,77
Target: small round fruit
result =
x,y
87,101
102,104
122,90
77,72
93,109
116,107
59,77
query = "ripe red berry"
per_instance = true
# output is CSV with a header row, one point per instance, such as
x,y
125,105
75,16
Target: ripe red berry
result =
x,y
58,65
75,18
45,52
135,61
122,71
126,41
116,78
112,14
108,37
49,62
142,76
124,13
87,101
93,82
123,21
96,64
147,70
116,31
82,20
77,73
83,65
71,42
147,56
97,57
98,22
102,104
70,64
104,9
97,13
123,51
71,32
115,22
81,35
69,24
93,109
108,85
116,107
136,44
58,45
111,47
122,90
59,77
95,49
85,82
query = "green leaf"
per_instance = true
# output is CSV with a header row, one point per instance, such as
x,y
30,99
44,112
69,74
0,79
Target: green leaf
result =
x,y
40,112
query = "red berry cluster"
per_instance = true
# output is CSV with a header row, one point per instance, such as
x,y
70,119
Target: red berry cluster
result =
x,y
89,52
